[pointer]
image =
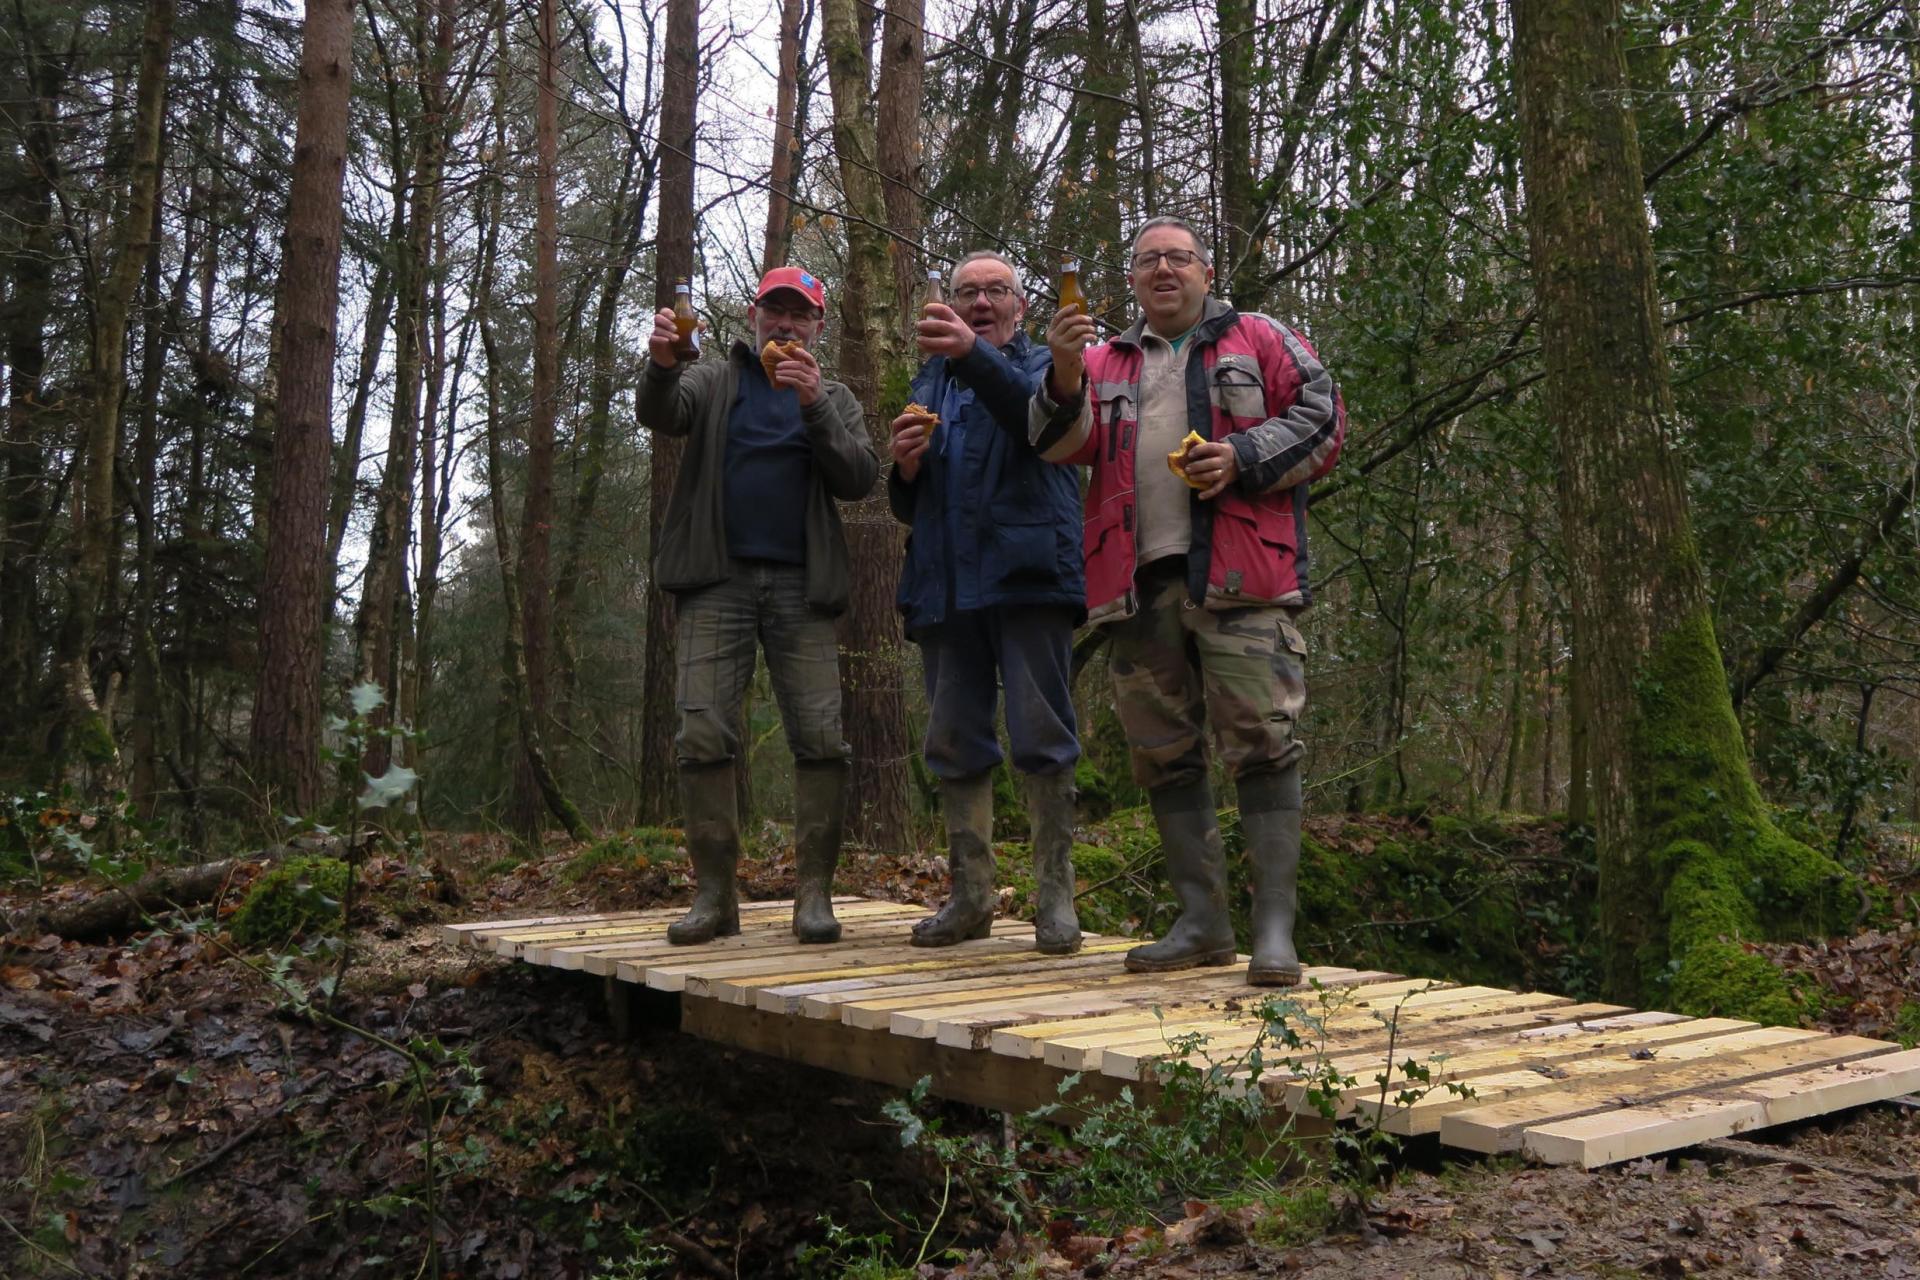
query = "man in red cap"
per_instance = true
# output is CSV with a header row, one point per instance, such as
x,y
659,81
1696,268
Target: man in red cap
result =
x,y
751,547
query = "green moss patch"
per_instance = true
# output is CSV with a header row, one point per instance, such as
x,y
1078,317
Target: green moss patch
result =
x,y
298,896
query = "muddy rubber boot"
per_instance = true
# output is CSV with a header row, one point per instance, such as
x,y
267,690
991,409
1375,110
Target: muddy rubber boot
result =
x,y
1056,926
1197,867
713,843
968,913
819,815
1270,817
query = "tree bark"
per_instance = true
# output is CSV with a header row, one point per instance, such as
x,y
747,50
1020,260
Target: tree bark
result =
x,y
299,583
903,73
87,723
877,369
786,145
659,800
1681,831
514,666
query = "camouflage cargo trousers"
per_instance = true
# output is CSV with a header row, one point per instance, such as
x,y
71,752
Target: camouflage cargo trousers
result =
x,y
1179,669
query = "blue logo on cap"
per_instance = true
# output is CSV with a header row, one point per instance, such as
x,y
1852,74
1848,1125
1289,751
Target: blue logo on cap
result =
x,y
808,280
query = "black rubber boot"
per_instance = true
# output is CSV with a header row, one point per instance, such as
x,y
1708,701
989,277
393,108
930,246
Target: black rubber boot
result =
x,y
968,913
819,815
1056,926
713,843
1270,817
1197,866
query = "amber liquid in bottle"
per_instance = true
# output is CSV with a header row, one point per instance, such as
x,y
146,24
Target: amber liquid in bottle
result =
x,y
1070,291
687,347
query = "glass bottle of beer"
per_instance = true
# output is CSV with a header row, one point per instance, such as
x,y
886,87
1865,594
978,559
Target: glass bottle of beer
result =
x,y
934,292
687,347
1071,294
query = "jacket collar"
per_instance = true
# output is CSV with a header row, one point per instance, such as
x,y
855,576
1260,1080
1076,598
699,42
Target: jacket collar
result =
x,y
1216,317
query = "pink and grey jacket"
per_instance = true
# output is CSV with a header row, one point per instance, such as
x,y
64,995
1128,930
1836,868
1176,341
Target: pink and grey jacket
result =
x,y
1252,382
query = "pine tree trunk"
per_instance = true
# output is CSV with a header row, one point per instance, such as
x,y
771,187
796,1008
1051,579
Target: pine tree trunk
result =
x,y
25,495
288,706
658,800
786,147
87,723
1682,833
877,369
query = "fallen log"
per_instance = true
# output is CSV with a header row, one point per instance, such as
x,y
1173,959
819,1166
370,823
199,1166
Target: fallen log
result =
x,y
123,909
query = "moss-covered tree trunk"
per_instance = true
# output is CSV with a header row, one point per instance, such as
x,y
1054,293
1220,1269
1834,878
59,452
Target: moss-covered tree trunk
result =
x,y
876,367
1690,863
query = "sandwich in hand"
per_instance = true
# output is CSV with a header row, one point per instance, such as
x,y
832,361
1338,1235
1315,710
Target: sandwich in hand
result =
x,y
1177,460
919,413
775,351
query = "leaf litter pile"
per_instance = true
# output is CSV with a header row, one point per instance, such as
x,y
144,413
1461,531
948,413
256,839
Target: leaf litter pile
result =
x,y
166,1110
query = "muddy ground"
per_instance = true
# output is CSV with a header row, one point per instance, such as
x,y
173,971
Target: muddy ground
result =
x,y
167,1109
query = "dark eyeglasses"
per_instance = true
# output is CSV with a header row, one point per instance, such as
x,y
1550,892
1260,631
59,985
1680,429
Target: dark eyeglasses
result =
x,y
1176,258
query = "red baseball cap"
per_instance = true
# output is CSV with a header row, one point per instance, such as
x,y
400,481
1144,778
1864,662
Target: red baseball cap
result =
x,y
793,278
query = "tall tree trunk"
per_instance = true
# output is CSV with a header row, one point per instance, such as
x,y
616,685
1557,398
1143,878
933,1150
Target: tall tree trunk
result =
x,y
346,459
786,146
657,801
876,365
903,73
1235,19
514,669
536,516
144,738
86,721
299,582
1517,717
26,493
1682,833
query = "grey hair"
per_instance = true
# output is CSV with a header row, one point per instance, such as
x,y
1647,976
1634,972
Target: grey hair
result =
x,y
1168,220
975,255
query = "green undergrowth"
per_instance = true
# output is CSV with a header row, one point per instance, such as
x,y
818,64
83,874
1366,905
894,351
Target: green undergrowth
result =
x,y
634,849
300,894
1502,901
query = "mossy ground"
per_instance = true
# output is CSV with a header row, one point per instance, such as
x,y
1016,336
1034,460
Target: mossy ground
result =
x,y
298,895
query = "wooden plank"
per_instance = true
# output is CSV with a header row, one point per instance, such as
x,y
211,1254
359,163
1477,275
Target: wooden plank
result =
x,y
953,999
755,917
1145,1024
472,933
1216,1000
1632,1132
1006,935
1212,988
1501,1126
824,999
739,987
1671,1044
860,924
1355,1028
1470,1059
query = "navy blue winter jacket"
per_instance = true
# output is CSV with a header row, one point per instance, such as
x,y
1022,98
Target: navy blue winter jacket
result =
x,y
992,524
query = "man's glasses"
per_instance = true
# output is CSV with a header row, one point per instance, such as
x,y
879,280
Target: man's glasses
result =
x,y
1178,259
995,293
795,311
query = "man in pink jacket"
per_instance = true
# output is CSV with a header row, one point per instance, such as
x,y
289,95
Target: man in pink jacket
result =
x,y
1200,572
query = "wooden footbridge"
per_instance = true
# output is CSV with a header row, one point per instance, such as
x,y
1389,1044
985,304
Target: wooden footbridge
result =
x,y
995,1024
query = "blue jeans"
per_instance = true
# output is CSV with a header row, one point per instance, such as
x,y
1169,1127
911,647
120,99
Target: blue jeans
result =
x,y
762,603
1029,648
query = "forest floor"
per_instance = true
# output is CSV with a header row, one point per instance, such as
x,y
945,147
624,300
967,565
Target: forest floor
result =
x,y
171,1107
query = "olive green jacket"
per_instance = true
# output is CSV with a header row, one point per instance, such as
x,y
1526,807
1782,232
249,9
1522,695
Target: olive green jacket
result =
x,y
695,401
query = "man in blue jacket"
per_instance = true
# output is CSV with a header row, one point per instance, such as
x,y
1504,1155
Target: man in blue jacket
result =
x,y
992,587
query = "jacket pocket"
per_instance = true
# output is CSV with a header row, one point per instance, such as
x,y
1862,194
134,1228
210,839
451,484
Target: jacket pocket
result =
x,y
1237,389
1252,559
